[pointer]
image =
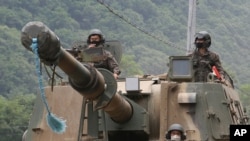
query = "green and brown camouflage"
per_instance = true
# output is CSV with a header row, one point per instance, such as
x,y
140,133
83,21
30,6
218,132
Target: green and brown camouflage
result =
x,y
133,108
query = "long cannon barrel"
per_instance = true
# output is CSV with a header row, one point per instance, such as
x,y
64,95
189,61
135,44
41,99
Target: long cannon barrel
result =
x,y
84,78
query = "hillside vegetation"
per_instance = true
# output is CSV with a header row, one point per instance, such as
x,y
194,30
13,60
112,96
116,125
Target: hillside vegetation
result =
x,y
133,23
149,30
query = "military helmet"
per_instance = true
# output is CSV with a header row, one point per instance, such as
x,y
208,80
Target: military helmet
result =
x,y
96,32
176,127
205,36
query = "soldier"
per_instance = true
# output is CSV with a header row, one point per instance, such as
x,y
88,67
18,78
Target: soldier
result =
x,y
204,59
175,133
96,39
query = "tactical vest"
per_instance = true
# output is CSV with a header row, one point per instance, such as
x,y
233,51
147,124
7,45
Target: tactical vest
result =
x,y
103,63
202,66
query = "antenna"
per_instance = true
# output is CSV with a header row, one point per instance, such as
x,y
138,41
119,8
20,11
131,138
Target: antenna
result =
x,y
191,25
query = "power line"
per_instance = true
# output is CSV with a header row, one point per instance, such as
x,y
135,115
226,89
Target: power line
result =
x,y
148,33
138,27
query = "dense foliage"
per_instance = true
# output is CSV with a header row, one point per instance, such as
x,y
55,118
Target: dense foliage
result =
x,y
160,31
14,116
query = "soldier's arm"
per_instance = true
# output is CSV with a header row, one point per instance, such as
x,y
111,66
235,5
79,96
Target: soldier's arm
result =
x,y
113,65
218,63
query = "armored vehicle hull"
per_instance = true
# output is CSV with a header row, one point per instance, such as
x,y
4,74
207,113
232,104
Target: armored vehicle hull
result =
x,y
97,107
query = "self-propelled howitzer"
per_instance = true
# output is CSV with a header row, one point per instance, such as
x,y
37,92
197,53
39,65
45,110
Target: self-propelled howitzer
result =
x,y
99,108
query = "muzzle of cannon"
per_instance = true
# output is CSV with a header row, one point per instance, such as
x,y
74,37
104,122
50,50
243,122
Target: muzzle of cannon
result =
x,y
87,80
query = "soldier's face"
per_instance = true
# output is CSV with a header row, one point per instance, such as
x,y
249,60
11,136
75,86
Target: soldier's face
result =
x,y
175,135
199,41
175,132
95,38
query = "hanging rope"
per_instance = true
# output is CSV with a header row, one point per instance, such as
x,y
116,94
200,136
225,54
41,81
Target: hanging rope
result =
x,y
126,20
58,125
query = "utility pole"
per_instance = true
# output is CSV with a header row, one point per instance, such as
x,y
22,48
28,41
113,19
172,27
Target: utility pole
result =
x,y
191,25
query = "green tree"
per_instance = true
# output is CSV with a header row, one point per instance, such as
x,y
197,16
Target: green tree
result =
x,y
17,69
129,67
245,97
14,116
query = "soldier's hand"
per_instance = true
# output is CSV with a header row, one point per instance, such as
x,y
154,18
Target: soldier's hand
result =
x,y
115,75
91,45
223,80
226,82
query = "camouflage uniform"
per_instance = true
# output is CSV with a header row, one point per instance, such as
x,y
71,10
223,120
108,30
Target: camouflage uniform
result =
x,y
203,64
110,63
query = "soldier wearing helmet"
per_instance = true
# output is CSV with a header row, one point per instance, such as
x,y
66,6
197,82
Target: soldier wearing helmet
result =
x,y
204,59
175,133
96,39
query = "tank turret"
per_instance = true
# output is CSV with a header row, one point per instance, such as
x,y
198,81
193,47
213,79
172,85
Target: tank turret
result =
x,y
98,107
